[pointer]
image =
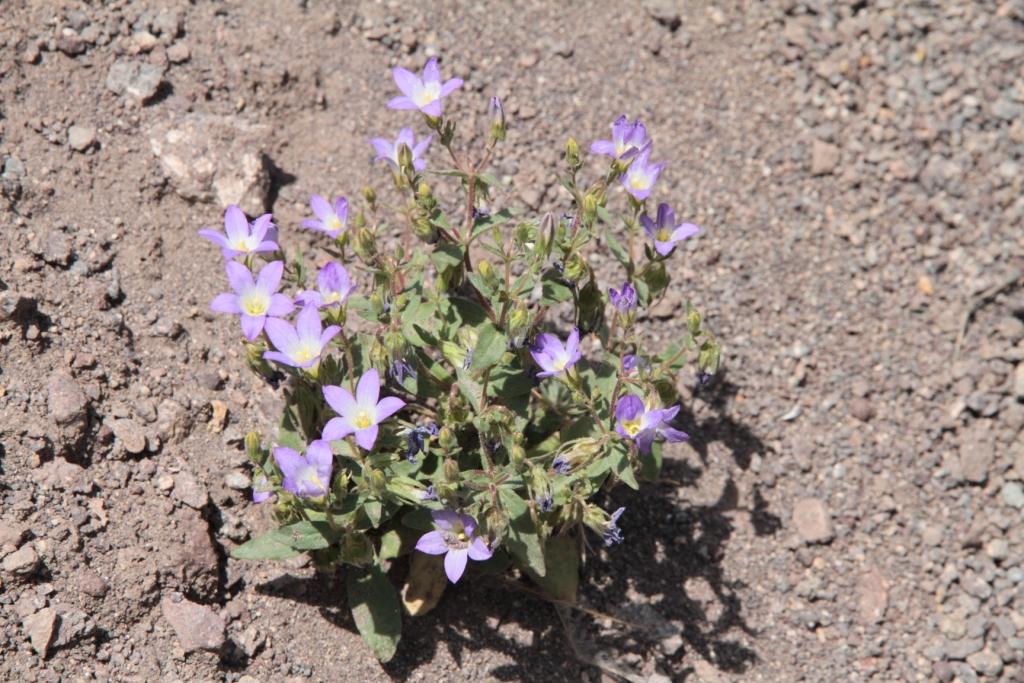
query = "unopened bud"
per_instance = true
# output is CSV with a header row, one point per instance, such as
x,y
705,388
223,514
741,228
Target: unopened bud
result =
x,y
518,321
486,271
365,244
377,482
425,230
693,321
589,209
517,456
370,195
497,112
446,438
572,153
253,448
575,268
405,159
451,470
379,356
377,303
394,342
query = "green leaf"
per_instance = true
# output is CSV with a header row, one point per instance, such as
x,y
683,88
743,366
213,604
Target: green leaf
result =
x,y
563,563
471,390
554,288
446,256
376,609
523,537
618,251
650,465
287,541
485,223
624,469
490,347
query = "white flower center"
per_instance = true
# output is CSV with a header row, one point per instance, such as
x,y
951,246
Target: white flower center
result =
x,y
255,302
638,181
362,420
426,93
332,297
309,475
663,235
306,352
559,362
631,427
334,223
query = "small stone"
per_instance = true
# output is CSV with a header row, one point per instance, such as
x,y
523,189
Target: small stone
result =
x,y
976,458
179,53
665,12
72,626
145,40
672,643
963,648
872,597
21,562
1013,494
138,79
91,583
165,482
40,628
812,520
997,549
862,409
81,138
190,491
197,626
70,43
237,481
66,400
30,55
61,475
11,533
824,158
975,585
986,663
130,434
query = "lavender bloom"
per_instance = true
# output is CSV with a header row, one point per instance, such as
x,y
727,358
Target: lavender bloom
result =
x,y
241,238
545,503
401,369
423,93
333,287
665,232
641,424
253,300
429,493
388,151
612,533
632,361
552,356
300,345
497,112
561,465
416,440
623,300
261,489
329,219
456,536
628,139
359,414
307,476
641,175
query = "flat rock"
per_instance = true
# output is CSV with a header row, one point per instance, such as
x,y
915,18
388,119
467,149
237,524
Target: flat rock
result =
x,y
131,435
197,626
824,157
872,597
812,521
11,533
92,584
40,629
188,490
73,625
22,562
1013,494
215,159
976,458
64,476
81,138
137,79
665,12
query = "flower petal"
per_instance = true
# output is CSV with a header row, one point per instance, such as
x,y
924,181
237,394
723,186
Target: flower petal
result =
x,y
307,324
217,238
431,72
280,306
383,148
328,335
450,86
405,80
455,564
288,461
432,109
368,389
336,428
603,147
225,303
280,358
340,400
684,231
320,207
388,406
270,276
432,543
367,437
282,335
401,102
239,277
252,325
235,223
479,550
446,519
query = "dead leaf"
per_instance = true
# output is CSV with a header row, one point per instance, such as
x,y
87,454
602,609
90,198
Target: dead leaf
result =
x,y
425,585
220,416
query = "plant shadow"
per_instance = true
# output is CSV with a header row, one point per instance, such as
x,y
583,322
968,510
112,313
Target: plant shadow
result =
x,y
665,590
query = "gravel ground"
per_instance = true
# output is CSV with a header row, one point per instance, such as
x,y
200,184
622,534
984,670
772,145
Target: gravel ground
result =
x,y
850,507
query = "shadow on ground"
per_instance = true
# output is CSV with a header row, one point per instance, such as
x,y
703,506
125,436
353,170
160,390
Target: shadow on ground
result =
x,y
664,586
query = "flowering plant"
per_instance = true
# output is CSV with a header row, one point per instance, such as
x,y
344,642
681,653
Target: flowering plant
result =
x,y
466,400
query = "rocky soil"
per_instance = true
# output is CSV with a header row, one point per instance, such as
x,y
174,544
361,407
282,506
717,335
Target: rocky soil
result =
x,y
850,507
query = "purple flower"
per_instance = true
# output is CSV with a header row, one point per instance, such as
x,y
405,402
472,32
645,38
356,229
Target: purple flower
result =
x,y
632,361
456,536
552,356
641,175
359,414
261,489
429,493
416,440
307,476
388,151
643,425
300,345
612,533
329,219
333,287
239,237
401,369
665,232
545,503
561,465
627,140
253,300
623,300
423,93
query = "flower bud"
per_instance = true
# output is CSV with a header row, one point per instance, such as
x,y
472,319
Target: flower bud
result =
x,y
365,245
517,456
405,160
572,153
377,303
525,234
497,112
451,470
575,268
446,438
425,230
589,209
253,448
483,267
370,195
394,342
518,324
379,356
377,482
693,321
